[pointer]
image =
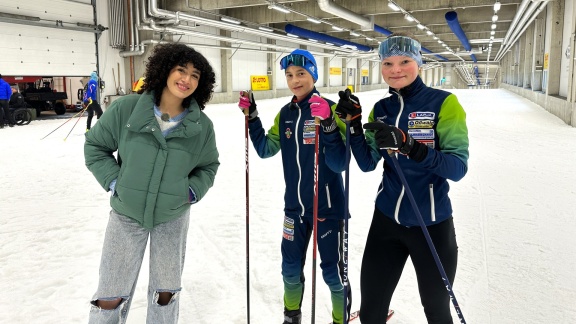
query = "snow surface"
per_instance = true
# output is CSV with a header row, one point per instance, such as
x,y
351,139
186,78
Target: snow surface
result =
x,y
514,213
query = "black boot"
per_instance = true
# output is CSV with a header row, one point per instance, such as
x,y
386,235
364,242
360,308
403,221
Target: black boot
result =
x,y
292,317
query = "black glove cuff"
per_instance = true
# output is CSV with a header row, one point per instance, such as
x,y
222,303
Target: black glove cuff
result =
x,y
356,127
418,152
253,113
329,125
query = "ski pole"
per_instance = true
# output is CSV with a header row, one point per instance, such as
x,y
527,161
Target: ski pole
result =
x,y
80,112
315,219
346,212
246,118
77,120
427,236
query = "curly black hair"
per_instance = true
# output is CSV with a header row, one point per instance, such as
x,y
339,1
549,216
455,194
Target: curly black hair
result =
x,y
164,58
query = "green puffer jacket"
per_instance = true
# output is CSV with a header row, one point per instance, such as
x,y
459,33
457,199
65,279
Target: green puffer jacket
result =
x,y
153,173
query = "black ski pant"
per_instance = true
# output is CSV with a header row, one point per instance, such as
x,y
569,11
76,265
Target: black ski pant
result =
x,y
93,107
388,246
6,112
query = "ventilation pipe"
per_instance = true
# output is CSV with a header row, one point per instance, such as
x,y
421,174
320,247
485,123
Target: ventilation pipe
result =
x,y
454,24
156,12
529,16
289,28
339,11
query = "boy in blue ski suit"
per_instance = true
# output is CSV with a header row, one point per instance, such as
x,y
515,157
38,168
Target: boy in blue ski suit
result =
x,y
293,133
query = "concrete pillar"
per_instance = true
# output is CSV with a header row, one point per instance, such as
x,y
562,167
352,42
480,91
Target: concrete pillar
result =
x,y
572,68
538,52
226,66
521,60
556,17
448,71
528,55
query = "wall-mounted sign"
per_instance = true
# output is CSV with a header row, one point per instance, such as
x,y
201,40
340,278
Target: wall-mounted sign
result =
x,y
259,82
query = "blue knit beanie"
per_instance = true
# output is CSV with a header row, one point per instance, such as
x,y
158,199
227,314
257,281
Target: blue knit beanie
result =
x,y
310,65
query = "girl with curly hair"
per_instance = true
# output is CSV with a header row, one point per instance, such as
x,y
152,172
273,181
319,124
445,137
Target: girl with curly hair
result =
x,y
166,161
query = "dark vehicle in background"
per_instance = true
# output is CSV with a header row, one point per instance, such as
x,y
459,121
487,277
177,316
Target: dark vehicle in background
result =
x,y
40,96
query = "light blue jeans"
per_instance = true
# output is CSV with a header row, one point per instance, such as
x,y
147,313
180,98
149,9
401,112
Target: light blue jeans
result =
x,y
124,246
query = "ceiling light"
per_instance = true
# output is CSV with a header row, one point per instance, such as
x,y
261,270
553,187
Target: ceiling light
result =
x,y
497,6
232,21
493,26
369,39
492,32
495,18
420,26
291,35
279,8
408,17
312,40
327,43
314,20
354,34
491,37
435,37
337,28
439,42
429,32
393,6
265,29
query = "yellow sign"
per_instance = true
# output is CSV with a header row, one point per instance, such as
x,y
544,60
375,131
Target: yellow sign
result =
x,y
546,59
335,71
364,72
259,82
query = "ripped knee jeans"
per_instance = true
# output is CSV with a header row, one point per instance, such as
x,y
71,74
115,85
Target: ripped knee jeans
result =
x,y
125,242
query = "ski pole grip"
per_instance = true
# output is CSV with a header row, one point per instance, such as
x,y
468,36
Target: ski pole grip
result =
x,y
316,121
245,94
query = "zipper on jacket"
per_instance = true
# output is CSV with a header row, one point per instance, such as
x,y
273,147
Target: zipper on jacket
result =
x,y
328,196
397,211
297,133
432,207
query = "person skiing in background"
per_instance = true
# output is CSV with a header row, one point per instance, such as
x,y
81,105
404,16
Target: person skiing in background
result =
x,y
426,129
293,133
166,160
90,100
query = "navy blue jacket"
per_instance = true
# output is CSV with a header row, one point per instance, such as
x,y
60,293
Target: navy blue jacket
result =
x,y
433,117
293,133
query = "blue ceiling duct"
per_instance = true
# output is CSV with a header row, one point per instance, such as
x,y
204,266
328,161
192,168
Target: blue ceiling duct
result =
x,y
477,74
323,37
454,24
289,28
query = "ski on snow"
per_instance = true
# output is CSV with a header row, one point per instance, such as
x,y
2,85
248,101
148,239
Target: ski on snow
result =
x,y
356,314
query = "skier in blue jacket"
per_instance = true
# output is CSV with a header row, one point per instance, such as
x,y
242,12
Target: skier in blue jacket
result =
x,y
426,129
293,133
90,100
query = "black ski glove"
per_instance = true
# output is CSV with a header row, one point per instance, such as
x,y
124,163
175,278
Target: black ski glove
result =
x,y
246,101
350,110
392,138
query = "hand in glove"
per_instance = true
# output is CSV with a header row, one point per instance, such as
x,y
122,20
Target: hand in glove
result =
x,y
247,104
319,108
350,110
391,138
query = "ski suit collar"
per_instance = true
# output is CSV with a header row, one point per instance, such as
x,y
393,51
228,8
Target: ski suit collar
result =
x,y
410,90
